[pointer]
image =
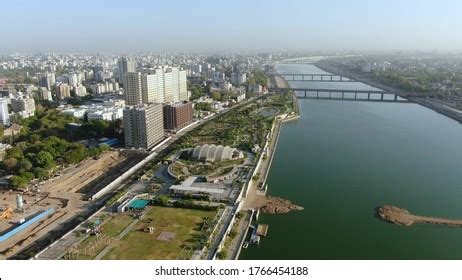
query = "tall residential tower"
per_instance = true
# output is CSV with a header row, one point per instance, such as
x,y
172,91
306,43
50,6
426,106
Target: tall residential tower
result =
x,y
126,65
143,125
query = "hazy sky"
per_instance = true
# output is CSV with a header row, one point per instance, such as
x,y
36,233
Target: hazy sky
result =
x,y
233,25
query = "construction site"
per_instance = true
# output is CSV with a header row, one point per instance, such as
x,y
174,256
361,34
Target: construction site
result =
x,y
30,215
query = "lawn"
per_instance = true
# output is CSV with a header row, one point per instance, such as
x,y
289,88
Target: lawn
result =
x,y
138,245
116,224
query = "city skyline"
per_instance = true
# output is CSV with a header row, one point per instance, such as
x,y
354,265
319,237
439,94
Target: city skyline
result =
x,y
208,26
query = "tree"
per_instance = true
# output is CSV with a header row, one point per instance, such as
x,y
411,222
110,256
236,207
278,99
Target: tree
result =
x,y
215,95
162,200
25,165
45,160
14,152
18,181
203,106
10,163
40,173
222,255
76,154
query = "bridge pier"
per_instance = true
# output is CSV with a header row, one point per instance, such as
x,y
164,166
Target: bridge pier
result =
x,y
368,96
305,93
355,95
341,79
396,97
343,95
317,94
381,96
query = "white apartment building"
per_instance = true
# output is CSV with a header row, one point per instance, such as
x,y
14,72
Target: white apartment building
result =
x,y
80,91
4,115
152,88
162,85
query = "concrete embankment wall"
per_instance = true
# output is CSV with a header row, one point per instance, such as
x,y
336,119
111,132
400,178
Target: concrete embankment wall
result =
x,y
438,108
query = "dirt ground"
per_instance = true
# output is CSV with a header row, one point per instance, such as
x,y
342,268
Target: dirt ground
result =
x,y
75,177
59,193
65,206
402,216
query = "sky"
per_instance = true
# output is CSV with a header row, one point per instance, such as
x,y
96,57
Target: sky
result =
x,y
229,26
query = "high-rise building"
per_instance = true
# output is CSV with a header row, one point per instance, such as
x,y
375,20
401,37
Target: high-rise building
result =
x,y
47,79
162,85
126,65
168,86
183,86
238,77
175,84
80,91
63,91
177,115
74,79
45,94
132,88
152,88
4,115
143,125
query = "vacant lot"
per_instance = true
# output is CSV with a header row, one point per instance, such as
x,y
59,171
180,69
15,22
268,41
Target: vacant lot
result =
x,y
76,177
183,224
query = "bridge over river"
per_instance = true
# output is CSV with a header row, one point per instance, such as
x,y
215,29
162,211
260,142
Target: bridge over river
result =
x,y
315,77
307,92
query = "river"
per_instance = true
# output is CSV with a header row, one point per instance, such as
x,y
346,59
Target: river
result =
x,y
342,159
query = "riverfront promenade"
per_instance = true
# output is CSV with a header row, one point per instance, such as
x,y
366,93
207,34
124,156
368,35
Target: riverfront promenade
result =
x,y
255,194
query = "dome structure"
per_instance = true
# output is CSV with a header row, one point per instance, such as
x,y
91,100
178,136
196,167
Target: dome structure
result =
x,y
212,153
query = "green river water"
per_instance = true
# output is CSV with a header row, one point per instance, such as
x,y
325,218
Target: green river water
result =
x,y
342,159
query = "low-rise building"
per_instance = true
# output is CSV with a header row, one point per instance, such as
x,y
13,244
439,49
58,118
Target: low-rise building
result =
x,y
256,88
24,106
78,113
190,186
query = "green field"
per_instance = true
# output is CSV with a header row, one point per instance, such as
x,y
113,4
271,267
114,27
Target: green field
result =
x,y
116,224
138,245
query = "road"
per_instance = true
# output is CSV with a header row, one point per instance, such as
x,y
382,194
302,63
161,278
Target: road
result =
x,y
224,224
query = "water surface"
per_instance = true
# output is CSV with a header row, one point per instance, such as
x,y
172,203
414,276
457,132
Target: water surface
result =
x,y
342,159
